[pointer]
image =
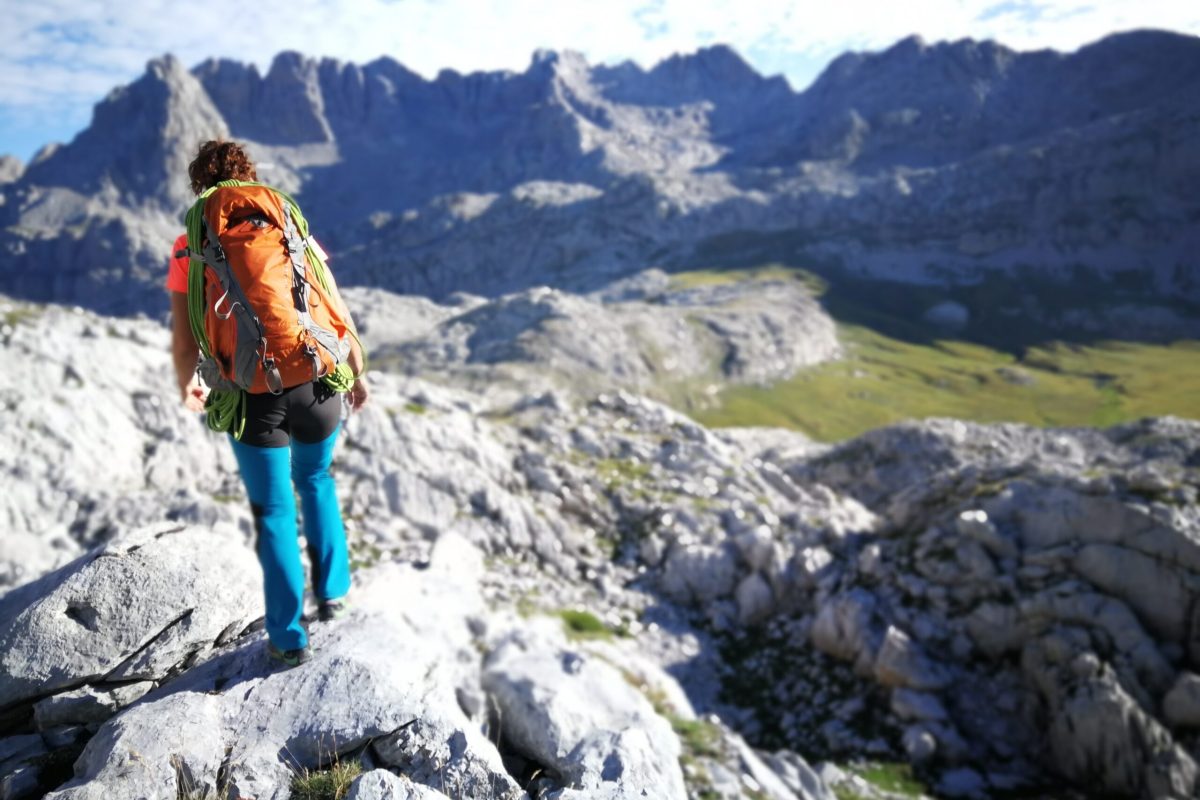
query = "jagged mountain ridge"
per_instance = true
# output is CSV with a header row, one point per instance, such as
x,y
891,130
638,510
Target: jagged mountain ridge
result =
x,y
923,163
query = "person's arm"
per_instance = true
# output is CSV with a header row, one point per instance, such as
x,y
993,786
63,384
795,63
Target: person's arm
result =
x,y
355,358
185,352
358,394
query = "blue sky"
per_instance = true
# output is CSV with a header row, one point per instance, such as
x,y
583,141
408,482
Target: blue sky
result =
x,y
62,56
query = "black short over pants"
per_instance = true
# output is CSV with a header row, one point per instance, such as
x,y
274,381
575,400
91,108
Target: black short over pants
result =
x,y
309,412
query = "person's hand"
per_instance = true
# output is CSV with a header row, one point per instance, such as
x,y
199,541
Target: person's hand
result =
x,y
194,395
358,394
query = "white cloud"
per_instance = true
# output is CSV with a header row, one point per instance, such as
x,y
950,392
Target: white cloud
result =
x,y
61,56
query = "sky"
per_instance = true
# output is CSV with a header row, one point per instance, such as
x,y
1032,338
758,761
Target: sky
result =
x,y
61,57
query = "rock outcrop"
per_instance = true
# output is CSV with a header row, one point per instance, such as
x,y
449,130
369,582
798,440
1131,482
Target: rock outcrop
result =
x,y
650,336
1006,608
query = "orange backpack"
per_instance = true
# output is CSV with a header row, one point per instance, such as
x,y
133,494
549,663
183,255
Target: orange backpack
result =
x,y
264,310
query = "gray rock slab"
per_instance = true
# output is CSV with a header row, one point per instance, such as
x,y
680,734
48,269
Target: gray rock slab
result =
x,y
578,715
86,705
379,784
125,601
392,660
21,746
20,784
1181,706
901,662
800,777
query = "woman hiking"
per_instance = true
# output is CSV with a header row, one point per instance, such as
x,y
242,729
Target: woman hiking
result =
x,y
288,425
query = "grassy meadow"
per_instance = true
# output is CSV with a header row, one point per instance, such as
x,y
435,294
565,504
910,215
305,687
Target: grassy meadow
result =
x,y
885,378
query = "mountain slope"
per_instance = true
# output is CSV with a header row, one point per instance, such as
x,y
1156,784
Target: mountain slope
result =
x,y
922,164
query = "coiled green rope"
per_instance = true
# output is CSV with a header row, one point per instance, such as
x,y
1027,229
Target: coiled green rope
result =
x,y
226,408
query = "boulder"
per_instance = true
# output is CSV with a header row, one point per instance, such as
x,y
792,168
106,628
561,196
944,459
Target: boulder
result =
x,y
138,607
578,715
845,628
1097,733
1181,706
901,662
379,784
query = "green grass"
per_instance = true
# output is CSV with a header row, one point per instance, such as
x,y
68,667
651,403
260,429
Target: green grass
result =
x,y
615,472
584,625
894,777
326,784
884,380
698,737
21,315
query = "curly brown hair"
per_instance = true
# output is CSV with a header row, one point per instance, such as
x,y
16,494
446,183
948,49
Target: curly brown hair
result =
x,y
219,160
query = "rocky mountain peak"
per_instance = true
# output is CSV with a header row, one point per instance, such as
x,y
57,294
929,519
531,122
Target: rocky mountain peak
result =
x,y
286,107
140,140
10,169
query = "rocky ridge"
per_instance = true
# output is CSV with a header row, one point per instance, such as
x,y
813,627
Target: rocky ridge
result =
x,y
926,164
647,334
1004,607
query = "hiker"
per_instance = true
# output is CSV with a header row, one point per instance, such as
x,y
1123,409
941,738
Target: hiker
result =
x,y
282,419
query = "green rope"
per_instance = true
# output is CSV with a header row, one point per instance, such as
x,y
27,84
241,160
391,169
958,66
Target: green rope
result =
x,y
226,408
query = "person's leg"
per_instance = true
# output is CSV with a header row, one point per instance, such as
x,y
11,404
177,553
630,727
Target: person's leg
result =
x,y
315,421
264,460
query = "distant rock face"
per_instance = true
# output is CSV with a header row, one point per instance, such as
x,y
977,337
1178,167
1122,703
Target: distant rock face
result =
x,y
923,163
742,331
10,169
140,141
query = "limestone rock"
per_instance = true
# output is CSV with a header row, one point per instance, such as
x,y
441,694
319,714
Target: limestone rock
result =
x,y
1181,706
754,599
579,716
900,662
86,705
919,743
145,599
800,778
371,676
845,628
379,784
1098,733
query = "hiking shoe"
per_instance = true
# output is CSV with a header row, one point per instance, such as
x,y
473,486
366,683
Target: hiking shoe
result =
x,y
328,610
289,658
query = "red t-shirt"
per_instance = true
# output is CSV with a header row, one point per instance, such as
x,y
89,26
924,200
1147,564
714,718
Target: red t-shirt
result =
x,y
177,270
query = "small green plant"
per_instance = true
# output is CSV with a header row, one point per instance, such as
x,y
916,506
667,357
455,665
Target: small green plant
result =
x,y
616,472
326,784
698,737
415,408
896,778
363,555
21,315
584,625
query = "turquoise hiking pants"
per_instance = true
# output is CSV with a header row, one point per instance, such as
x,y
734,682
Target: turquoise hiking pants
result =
x,y
269,474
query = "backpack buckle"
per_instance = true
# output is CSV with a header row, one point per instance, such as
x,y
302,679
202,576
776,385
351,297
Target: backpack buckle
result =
x,y
273,378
